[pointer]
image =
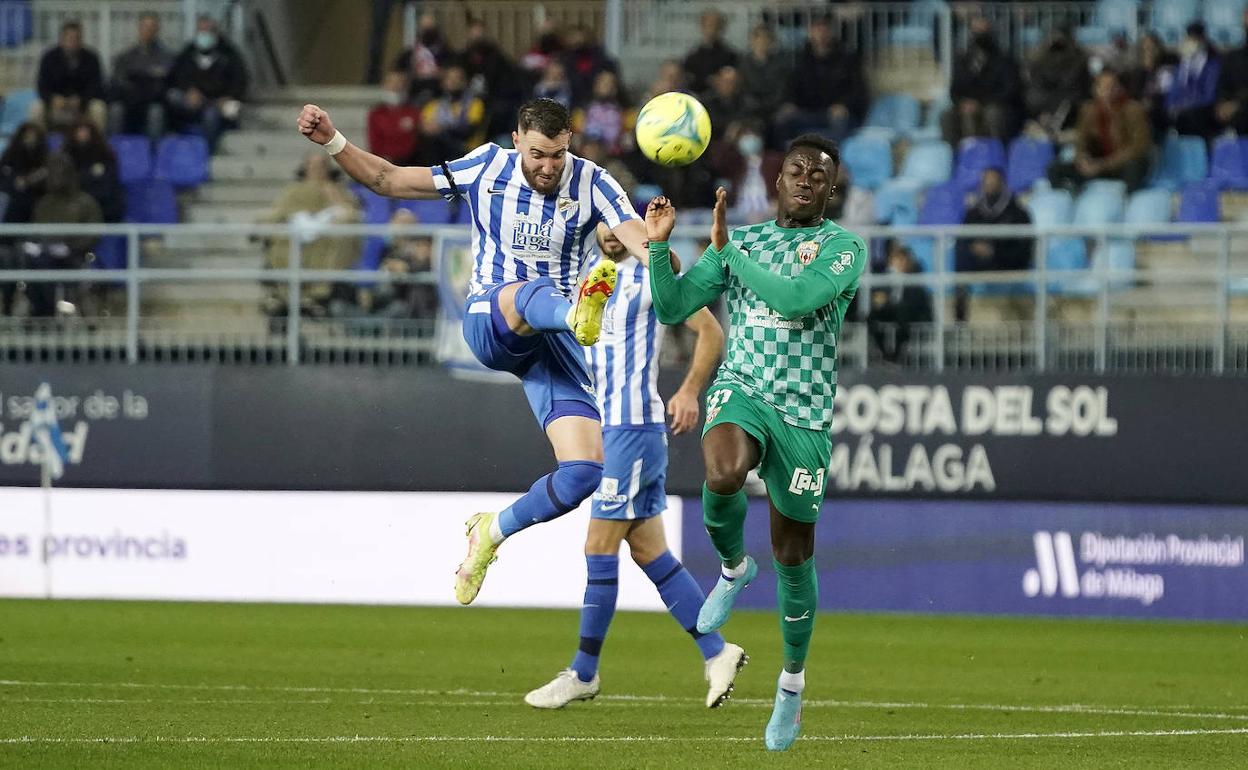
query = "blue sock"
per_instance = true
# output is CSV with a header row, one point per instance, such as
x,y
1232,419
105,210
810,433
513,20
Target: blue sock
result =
x,y
601,588
541,305
683,598
551,496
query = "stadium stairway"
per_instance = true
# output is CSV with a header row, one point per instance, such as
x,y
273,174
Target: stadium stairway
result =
x,y
252,165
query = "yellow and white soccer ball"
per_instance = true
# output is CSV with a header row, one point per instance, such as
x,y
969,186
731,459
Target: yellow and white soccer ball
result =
x,y
673,129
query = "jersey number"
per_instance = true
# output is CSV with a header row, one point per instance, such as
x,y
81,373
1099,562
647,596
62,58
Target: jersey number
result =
x,y
716,401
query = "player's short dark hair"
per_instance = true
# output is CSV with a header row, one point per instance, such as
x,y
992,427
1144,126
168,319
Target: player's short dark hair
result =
x,y
546,116
820,143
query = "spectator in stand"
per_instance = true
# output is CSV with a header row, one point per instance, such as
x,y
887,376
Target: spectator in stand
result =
x,y
24,171
1113,140
548,46
1057,82
454,123
423,63
607,117
826,89
893,310
762,70
670,78
318,197
494,78
986,90
554,84
139,77
1149,81
724,101
994,206
741,163
207,83
1190,102
405,255
96,165
1232,109
394,124
71,83
584,60
711,55
593,150
849,206
63,203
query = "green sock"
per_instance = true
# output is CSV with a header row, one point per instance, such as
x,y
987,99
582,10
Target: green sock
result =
x,y
724,517
797,593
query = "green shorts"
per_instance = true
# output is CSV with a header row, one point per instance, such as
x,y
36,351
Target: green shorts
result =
x,y
794,460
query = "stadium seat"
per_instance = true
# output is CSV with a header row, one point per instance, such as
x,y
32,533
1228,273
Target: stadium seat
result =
x,y
1229,164
974,155
1110,17
1149,207
1200,202
182,160
14,110
110,253
1224,22
897,202
943,205
1171,17
462,213
1027,161
1120,254
1183,160
16,23
928,163
151,201
919,25
869,159
434,212
134,156
898,112
1054,208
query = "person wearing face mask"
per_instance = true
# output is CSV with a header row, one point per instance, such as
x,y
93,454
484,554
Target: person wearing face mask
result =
x,y
207,83
394,124
606,117
23,178
1113,140
70,83
1190,102
1057,81
1232,108
893,310
986,90
994,206
96,165
454,123
423,63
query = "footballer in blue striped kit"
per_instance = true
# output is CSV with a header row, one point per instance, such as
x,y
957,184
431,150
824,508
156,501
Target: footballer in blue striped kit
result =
x,y
627,504
535,209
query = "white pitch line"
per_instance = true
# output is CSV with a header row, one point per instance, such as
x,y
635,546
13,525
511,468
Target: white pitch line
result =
x,y
27,739
623,699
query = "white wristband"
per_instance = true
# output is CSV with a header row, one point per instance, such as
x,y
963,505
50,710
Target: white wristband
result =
x,y
337,144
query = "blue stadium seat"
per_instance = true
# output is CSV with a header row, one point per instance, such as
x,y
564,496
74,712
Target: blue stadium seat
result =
x,y
1148,207
898,112
930,129
151,201
182,160
1200,202
14,110
897,202
1171,17
869,158
1224,22
1109,17
1056,207
110,253
434,212
928,163
1229,164
376,208
1183,160
919,26
943,205
1027,161
463,213
1120,254
974,155
134,156
1098,207
17,23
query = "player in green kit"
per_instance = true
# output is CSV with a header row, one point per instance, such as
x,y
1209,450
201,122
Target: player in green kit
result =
x,y
788,282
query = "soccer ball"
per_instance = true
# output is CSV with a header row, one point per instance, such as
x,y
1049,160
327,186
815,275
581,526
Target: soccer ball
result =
x,y
673,129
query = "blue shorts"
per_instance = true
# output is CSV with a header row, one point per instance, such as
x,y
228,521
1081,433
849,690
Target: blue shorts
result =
x,y
634,474
551,365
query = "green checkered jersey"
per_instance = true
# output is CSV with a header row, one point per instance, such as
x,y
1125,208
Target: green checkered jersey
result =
x,y
787,291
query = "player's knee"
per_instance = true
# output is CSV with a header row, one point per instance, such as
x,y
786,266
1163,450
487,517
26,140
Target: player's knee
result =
x,y
725,478
792,552
577,480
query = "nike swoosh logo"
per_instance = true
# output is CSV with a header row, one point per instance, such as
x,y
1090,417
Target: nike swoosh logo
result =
x,y
805,616
612,506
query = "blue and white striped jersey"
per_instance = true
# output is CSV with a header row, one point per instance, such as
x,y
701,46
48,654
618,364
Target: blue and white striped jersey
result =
x,y
625,362
520,234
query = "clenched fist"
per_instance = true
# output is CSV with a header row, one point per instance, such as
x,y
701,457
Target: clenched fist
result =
x,y
314,123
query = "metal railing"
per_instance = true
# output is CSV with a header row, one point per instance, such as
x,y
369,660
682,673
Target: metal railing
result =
x,y
1185,317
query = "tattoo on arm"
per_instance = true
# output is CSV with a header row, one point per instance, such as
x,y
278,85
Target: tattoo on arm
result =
x,y
379,182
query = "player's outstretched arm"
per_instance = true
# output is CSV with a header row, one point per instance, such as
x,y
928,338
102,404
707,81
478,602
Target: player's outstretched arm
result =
x,y
839,264
709,344
378,174
675,299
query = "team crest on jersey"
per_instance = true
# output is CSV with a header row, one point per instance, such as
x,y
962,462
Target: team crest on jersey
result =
x,y
807,251
567,208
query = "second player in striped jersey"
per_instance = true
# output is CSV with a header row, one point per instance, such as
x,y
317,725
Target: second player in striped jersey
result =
x,y
628,504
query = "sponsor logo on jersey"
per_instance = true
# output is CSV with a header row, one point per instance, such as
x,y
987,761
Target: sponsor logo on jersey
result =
x,y
609,494
844,260
804,481
531,235
807,251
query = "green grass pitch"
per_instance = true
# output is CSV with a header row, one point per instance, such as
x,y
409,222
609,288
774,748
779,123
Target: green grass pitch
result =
x,y
129,684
